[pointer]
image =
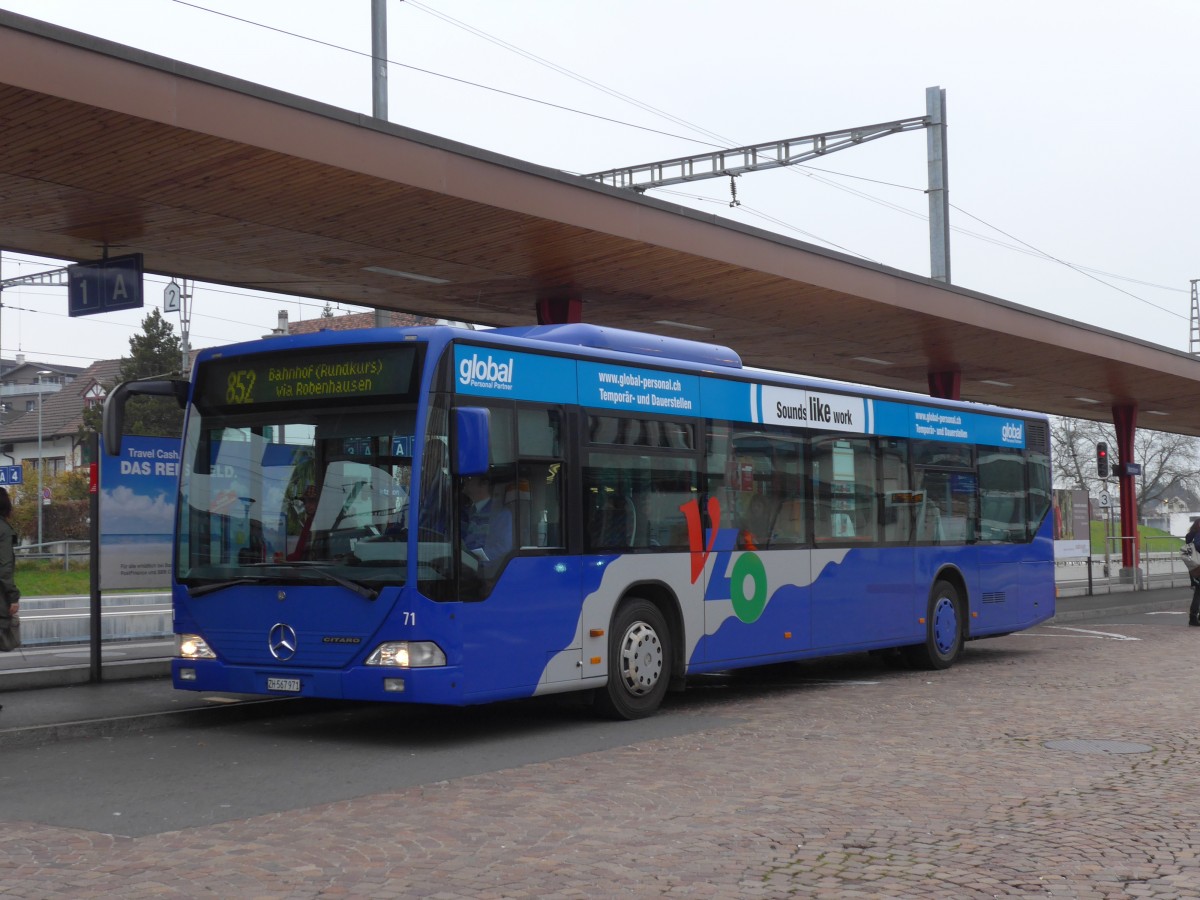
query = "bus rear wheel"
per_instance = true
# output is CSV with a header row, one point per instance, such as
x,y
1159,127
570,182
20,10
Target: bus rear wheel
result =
x,y
639,662
944,629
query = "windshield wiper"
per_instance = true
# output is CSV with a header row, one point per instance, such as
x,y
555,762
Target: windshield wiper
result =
x,y
315,568
202,589
308,567
361,589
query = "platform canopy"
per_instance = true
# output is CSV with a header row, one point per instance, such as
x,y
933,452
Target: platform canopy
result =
x,y
216,179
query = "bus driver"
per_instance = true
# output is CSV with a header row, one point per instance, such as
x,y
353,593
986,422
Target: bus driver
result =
x,y
487,526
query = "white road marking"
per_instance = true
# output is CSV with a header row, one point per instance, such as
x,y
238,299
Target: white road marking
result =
x,y
1084,632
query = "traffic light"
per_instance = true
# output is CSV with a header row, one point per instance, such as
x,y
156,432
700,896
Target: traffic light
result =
x,y
1102,459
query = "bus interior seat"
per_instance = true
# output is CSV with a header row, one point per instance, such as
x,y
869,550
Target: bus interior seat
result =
x,y
1002,517
929,525
630,522
517,499
614,521
788,525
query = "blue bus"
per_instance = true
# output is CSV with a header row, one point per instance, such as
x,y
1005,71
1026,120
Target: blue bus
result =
x,y
655,510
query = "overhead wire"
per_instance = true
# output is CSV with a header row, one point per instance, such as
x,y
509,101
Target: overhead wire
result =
x,y
208,288
1024,248
760,214
22,260
722,141
464,81
1071,266
809,171
111,324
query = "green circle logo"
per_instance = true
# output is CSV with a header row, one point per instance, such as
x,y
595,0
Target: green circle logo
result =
x,y
748,566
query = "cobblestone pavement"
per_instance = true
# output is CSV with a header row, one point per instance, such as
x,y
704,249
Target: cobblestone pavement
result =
x,y
834,781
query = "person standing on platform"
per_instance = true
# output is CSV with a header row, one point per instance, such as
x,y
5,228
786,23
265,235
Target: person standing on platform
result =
x,y
1190,549
10,595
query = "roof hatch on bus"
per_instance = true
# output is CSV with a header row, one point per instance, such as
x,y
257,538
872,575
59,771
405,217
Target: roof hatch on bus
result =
x,y
620,340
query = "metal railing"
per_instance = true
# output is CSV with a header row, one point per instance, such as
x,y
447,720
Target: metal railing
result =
x,y
78,552
67,620
1159,565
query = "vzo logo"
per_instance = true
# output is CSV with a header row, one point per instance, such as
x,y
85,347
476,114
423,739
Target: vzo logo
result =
x,y
745,584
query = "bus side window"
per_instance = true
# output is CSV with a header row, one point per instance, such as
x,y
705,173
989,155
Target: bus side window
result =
x,y
1037,469
763,496
661,522
844,472
635,500
538,505
947,513
634,495
1002,495
898,499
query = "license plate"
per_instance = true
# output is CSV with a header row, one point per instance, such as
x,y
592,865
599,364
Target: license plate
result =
x,y
291,685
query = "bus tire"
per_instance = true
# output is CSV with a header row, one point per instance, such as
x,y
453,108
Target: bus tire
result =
x,y
639,662
944,630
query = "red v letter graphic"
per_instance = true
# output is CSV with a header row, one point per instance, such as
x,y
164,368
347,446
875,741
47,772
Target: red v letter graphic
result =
x,y
691,514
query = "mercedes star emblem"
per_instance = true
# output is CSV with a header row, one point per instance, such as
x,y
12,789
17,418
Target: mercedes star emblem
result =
x,y
281,641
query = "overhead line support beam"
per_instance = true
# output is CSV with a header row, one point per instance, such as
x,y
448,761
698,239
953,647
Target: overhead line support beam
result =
x,y
791,152
752,158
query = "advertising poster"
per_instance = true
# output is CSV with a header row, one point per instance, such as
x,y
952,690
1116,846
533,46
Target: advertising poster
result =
x,y
1072,525
137,513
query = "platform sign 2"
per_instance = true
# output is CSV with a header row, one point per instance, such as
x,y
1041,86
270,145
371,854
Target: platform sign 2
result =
x,y
107,285
11,475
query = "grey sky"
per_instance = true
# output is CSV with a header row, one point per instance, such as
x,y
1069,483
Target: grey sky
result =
x,y
1071,125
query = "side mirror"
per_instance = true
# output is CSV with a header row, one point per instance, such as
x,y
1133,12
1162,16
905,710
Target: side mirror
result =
x,y
112,423
471,441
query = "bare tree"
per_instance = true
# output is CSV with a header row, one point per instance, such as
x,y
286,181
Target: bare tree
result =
x,y
1169,466
1073,450
1170,462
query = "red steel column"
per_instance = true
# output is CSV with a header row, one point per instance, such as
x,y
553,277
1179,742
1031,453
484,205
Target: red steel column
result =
x,y
1125,423
945,385
559,310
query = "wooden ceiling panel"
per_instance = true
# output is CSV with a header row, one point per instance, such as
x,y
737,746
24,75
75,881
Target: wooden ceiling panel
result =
x,y
222,181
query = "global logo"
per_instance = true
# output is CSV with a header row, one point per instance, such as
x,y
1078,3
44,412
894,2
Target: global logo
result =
x,y
476,371
1013,432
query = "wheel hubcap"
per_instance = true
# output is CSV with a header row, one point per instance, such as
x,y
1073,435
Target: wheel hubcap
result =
x,y
641,659
945,625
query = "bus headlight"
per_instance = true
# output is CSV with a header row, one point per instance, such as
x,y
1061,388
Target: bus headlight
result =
x,y
192,646
408,655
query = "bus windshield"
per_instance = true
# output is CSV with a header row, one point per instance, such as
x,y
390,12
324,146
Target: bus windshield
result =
x,y
298,496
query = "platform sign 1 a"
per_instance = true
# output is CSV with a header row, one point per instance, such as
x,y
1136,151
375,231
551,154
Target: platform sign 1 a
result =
x,y
11,475
107,285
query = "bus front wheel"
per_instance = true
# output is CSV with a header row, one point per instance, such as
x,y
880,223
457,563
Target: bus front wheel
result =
x,y
944,628
639,662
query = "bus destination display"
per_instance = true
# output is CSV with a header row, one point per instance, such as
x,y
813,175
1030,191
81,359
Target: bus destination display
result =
x,y
305,377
